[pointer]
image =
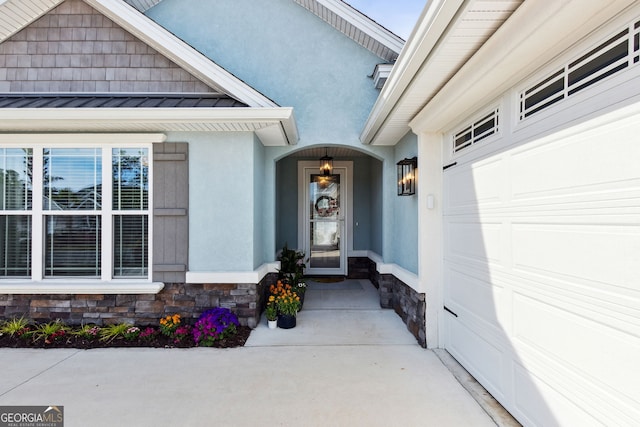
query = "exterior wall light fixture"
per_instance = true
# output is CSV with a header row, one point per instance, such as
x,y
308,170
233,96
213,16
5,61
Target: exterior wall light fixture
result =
x,y
326,164
407,176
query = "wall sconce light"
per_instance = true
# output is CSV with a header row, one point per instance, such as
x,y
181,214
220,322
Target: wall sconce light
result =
x,y
326,164
407,176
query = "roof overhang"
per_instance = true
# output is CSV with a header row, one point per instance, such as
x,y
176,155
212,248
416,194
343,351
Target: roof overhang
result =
x,y
447,34
273,126
453,64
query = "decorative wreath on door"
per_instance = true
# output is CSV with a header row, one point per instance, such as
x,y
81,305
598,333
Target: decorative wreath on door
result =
x,y
325,209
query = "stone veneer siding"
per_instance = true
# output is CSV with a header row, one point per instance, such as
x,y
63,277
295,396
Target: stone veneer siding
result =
x,y
246,300
358,268
74,48
408,304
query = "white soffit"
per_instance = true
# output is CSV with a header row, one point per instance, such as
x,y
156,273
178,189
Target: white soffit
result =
x,y
17,14
448,33
537,32
274,126
356,26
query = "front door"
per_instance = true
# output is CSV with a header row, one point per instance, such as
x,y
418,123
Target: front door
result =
x,y
325,210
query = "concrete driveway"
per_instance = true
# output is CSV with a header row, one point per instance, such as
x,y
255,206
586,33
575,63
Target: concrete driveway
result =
x,y
347,363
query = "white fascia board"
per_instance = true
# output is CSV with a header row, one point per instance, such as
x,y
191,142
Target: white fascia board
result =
x,y
365,24
179,52
45,119
81,138
150,114
432,24
519,46
285,129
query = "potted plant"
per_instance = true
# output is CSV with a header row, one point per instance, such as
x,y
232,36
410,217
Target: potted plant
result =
x,y
271,311
291,265
287,304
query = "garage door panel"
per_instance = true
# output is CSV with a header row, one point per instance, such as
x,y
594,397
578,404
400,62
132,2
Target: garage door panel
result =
x,y
579,251
474,242
486,365
587,165
471,189
544,271
475,296
581,347
543,405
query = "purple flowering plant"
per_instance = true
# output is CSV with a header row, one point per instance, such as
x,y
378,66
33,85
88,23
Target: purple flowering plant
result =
x,y
182,334
148,333
214,325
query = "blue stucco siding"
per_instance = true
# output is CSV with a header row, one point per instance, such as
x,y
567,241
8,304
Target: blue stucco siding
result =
x,y
221,200
297,60
258,202
288,54
405,214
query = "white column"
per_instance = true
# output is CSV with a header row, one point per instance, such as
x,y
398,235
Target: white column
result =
x,y
430,223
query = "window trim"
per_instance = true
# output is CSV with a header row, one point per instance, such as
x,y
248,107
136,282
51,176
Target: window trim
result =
x,y
107,284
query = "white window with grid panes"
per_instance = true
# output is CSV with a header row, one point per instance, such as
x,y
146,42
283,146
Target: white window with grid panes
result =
x,y
76,211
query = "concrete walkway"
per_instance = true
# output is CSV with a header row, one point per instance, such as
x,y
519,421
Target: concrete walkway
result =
x,y
347,363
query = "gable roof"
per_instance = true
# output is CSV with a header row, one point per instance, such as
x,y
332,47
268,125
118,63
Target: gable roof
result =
x,y
344,18
241,108
16,14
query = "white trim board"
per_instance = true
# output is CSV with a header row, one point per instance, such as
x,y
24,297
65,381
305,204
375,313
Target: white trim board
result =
x,y
97,287
254,276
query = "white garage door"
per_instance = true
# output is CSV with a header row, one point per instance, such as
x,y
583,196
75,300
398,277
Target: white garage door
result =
x,y
542,275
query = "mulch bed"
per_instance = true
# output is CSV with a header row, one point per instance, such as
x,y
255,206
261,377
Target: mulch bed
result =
x,y
157,341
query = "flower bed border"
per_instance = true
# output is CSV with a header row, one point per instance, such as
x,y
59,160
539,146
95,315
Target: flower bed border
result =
x,y
158,341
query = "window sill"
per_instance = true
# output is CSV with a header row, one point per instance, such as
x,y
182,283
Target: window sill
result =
x,y
80,287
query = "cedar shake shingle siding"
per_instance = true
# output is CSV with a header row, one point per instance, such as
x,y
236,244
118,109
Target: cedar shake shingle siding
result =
x,y
74,48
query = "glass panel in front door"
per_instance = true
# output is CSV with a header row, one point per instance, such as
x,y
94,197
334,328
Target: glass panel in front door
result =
x,y
324,221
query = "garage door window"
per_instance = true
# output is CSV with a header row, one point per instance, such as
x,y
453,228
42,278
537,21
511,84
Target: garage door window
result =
x,y
476,131
619,52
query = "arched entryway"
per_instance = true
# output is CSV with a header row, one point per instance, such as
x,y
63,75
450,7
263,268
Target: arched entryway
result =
x,y
335,218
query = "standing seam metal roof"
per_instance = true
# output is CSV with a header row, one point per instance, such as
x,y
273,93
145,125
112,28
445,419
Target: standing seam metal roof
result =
x,y
117,101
